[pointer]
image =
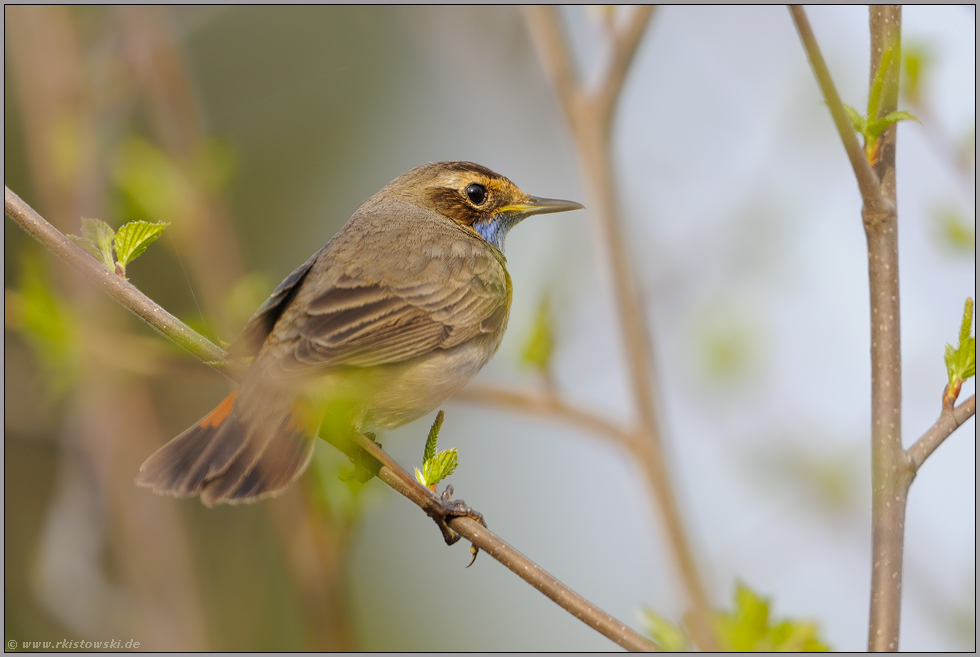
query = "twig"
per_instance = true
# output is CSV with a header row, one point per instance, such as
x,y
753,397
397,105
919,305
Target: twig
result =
x,y
118,288
626,42
867,180
948,422
892,470
389,472
590,117
547,405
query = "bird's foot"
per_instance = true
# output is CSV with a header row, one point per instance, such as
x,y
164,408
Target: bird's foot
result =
x,y
444,509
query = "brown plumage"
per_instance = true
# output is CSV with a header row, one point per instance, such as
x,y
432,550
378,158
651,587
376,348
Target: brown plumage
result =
x,y
395,314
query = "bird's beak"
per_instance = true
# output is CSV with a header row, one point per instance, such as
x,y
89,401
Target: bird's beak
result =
x,y
537,205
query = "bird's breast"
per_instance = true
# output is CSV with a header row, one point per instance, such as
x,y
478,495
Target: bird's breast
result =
x,y
407,391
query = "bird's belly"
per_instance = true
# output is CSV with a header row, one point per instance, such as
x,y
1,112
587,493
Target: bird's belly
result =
x,y
403,392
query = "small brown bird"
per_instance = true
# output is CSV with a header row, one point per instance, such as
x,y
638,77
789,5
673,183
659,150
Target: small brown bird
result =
x,y
388,320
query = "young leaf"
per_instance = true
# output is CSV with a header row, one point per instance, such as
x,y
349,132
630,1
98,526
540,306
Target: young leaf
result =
x,y
916,64
667,636
97,239
858,122
954,232
876,95
430,442
748,628
541,343
133,238
443,465
47,323
961,361
874,128
436,466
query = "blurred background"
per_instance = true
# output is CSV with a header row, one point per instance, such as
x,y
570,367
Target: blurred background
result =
x,y
257,131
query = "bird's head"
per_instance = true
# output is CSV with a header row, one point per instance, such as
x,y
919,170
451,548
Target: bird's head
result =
x,y
473,197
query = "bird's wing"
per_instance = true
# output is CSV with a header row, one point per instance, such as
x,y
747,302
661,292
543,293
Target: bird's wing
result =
x,y
366,319
261,323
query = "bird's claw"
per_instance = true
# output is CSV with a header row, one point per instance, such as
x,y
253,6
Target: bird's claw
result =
x,y
445,508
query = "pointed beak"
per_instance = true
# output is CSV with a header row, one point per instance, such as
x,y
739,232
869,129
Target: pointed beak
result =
x,y
537,205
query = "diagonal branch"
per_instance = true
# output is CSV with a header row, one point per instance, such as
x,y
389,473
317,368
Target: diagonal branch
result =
x,y
625,43
386,469
547,35
117,288
867,181
546,405
590,118
948,422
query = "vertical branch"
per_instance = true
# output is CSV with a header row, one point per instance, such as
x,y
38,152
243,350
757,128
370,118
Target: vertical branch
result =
x,y
891,467
591,117
891,471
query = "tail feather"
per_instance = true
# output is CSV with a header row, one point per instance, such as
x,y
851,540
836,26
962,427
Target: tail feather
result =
x,y
231,456
265,467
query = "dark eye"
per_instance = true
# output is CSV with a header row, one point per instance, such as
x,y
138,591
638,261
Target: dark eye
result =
x,y
476,193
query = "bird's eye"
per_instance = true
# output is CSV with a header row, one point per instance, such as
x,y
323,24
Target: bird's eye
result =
x,y
476,193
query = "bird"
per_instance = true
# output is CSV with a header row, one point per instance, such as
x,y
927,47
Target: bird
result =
x,y
389,319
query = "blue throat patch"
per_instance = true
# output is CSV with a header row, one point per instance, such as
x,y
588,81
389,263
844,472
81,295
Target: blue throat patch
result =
x,y
495,230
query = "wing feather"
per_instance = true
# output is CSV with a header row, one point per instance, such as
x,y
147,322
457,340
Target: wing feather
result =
x,y
358,323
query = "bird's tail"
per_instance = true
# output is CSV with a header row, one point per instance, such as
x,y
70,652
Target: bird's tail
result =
x,y
236,454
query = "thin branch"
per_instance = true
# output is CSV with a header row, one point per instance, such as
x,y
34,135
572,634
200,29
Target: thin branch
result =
x,y
526,569
546,405
118,288
948,422
387,470
867,180
546,32
590,118
625,44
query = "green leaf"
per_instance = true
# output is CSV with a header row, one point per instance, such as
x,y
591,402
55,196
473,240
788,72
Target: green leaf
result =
x,y
916,64
133,238
748,628
436,466
954,231
966,327
541,343
47,323
97,238
961,361
878,126
443,465
151,184
876,96
430,442
858,122
667,636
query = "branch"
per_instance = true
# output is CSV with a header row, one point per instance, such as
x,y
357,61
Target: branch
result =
x,y
625,44
116,287
387,470
891,471
948,422
546,33
590,118
867,181
546,405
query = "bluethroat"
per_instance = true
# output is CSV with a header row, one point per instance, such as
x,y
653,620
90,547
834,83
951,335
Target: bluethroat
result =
x,y
378,328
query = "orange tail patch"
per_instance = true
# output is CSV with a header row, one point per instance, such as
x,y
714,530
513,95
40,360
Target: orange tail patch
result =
x,y
220,412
